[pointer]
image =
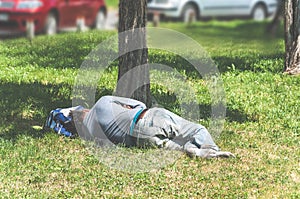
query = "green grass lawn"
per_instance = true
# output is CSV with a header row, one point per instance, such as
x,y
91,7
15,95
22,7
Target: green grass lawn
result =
x,y
112,3
261,128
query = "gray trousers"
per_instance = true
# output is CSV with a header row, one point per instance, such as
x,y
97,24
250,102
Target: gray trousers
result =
x,y
164,129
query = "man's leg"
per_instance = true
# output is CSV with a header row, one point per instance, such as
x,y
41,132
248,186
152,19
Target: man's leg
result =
x,y
202,145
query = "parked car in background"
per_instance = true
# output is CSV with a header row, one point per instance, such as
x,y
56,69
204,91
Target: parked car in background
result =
x,y
184,9
49,16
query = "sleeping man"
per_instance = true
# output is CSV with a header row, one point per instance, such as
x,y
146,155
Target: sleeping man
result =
x,y
118,120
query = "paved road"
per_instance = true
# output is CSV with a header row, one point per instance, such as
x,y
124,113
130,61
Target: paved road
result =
x,y
112,19
111,24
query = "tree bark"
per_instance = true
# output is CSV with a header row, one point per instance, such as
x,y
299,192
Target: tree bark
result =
x,y
133,76
292,37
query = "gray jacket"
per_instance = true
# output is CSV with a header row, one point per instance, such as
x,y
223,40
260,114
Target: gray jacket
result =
x,y
110,118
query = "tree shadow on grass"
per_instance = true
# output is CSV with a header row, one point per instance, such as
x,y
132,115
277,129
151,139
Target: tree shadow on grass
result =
x,y
256,63
70,50
61,51
267,56
237,30
26,106
188,110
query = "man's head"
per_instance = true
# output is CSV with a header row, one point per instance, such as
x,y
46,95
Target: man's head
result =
x,y
78,115
77,119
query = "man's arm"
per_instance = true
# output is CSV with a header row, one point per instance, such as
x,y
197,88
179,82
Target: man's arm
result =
x,y
129,103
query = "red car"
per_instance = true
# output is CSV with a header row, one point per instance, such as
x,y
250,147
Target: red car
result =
x,y
48,16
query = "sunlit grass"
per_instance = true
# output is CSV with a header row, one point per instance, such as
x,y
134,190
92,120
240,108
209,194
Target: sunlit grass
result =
x,y
112,4
261,128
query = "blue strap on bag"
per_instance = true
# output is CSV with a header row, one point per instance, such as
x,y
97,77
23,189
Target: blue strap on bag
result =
x,y
59,120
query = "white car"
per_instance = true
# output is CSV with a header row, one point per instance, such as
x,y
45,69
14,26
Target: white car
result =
x,y
185,9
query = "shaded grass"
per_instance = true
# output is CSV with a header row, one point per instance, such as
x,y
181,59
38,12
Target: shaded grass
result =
x,y
262,126
234,45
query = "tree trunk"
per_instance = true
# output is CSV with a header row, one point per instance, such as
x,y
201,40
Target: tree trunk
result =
x,y
292,37
273,26
133,77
